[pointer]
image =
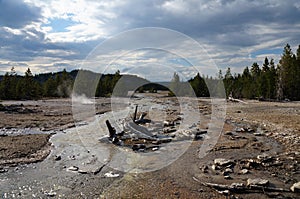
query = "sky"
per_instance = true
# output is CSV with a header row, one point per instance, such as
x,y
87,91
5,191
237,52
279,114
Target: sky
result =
x,y
131,35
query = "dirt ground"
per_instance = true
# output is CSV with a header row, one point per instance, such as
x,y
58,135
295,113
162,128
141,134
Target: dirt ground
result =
x,y
42,117
277,128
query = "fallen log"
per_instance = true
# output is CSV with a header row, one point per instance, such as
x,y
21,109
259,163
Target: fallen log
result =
x,y
241,188
236,100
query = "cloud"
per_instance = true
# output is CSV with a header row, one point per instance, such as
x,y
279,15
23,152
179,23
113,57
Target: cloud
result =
x,y
234,33
17,14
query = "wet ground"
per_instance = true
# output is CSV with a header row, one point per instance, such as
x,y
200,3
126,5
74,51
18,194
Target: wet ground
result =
x,y
80,166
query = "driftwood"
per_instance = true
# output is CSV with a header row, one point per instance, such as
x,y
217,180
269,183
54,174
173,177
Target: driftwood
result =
x,y
236,100
241,188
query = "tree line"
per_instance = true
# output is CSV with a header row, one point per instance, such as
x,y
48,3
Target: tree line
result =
x,y
50,85
269,81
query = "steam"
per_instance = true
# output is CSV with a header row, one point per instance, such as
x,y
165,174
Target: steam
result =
x,y
82,99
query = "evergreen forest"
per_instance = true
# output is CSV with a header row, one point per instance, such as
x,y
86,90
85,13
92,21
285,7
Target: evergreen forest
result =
x,y
271,81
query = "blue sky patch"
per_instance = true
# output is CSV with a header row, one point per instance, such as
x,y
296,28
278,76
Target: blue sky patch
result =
x,y
276,51
60,25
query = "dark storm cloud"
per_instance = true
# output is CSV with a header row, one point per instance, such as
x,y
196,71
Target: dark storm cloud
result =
x,y
16,13
225,26
226,22
30,43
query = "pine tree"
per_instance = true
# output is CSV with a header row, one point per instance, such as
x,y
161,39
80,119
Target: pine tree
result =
x,y
273,78
228,82
264,81
255,86
287,72
198,84
29,89
175,85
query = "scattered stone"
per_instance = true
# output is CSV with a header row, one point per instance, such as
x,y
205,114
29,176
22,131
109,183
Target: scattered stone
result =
x,y
244,130
258,134
201,132
73,168
57,158
237,185
198,136
139,147
227,177
225,192
250,163
249,130
228,133
240,130
257,181
169,130
244,171
223,162
2,170
51,193
82,171
111,175
168,123
264,157
155,148
295,187
214,167
204,169
72,157
228,170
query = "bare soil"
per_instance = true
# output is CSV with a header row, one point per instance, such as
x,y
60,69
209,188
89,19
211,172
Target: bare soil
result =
x,y
46,116
24,148
279,124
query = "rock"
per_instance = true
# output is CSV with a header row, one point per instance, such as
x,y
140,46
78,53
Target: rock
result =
x,y
2,170
258,134
228,170
250,163
82,171
168,123
57,157
155,148
73,168
228,133
204,169
244,171
223,162
257,182
111,175
198,137
50,193
72,157
249,130
138,147
240,130
225,192
295,187
201,132
214,167
227,177
237,185
264,157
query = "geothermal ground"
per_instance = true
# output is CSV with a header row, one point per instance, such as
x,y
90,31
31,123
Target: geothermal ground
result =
x,y
50,149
